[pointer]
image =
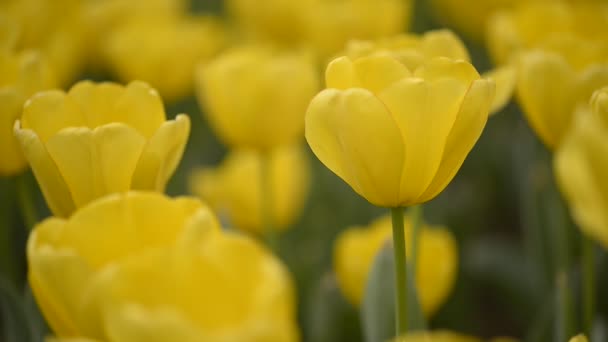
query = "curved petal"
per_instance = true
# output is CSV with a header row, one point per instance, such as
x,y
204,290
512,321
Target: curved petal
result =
x,y
96,162
48,112
161,155
467,128
57,277
340,74
141,107
505,79
56,192
12,161
355,136
544,86
425,113
95,102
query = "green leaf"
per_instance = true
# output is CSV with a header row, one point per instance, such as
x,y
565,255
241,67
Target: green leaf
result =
x,y
38,327
378,309
13,319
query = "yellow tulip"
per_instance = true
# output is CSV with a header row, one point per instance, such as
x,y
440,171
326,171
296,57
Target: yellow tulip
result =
x,y
99,139
163,53
536,23
397,136
447,336
56,29
580,164
232,189
324,25
579,338
437,261
137,267
21,74
256,97
552,85
469,17
329,24
412,50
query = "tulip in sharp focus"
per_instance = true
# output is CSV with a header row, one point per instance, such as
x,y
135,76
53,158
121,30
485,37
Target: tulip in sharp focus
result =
x,y
99,139
232,189
581,163
398,136
21,74
437,260
256,97
142,267
414,49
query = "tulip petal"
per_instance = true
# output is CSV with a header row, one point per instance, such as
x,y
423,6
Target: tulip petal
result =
x,y
355,136
96,102
373,72
96,162
425,113
141,107
505,79
56,192
161,155
57,277
48,112
12,161
467,128
544,84
340,74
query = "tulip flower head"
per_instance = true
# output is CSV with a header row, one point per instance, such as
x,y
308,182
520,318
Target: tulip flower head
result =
x,y
256,97
581,163
357,247
143,267
99,139
231,188
397,136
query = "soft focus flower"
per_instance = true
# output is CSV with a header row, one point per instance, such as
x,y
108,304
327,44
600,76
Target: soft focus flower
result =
x,y
21,74
163,53
552,85
324,25
397,136
414,49
446,336
534,24
468,17
232,188
356,249
99,139
256,97
55,28
143,267
581,163
579,338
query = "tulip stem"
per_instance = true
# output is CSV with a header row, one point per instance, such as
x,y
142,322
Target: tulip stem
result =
x,y
588,268
416,219
26,201
400,271
266,205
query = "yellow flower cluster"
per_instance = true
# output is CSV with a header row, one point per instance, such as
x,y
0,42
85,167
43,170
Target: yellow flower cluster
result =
x,y
437,260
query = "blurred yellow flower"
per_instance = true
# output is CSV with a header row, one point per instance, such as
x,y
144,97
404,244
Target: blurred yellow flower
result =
x,y
414,49
55,28
581,163
534,24
137,267
469,17
552,85
21,74
163,53
397,136
447,336
579,338
232,189
99,139
323,25
356,248
256,97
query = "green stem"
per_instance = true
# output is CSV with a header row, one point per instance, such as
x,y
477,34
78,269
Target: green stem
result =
x,y
26,202
416,219
588,268
563,305
270,233
400,271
